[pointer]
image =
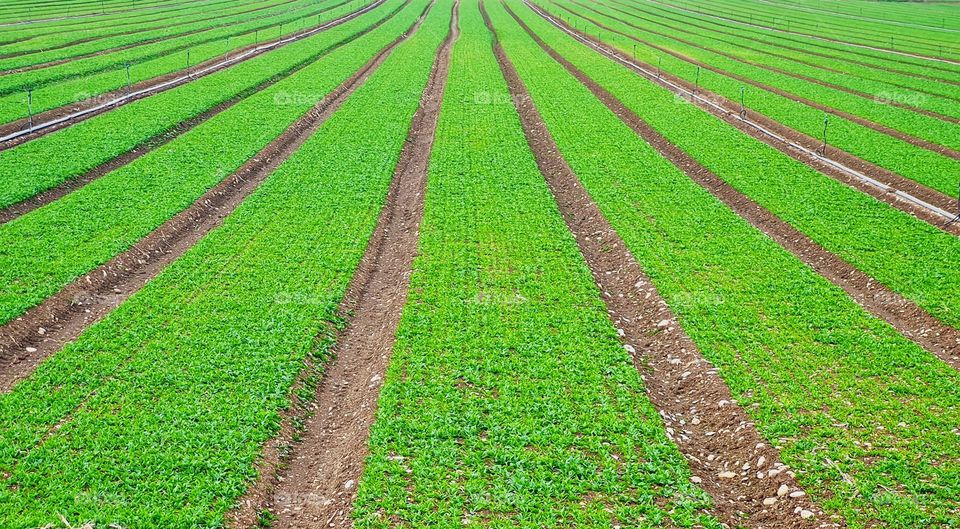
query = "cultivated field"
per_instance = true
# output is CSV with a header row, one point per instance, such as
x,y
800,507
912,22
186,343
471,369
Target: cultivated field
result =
x,y
479,263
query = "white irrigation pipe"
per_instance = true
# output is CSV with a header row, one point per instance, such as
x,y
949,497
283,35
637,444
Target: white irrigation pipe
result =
x,y
903,53
190,75
676,88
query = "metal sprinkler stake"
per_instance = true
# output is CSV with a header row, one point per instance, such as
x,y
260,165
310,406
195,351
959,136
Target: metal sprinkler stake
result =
x,y
743,108
823,148
30,107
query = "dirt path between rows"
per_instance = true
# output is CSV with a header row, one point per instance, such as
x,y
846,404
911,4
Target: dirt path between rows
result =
x,y
175,79
904,315
731,115
45,329
43,198
883,129
317,484
712,431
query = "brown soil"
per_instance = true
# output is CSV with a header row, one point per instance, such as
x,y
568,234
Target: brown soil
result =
x,y
65,315
43,198
731,116
901,313
50,64
712,431
917,142
216,64
317,484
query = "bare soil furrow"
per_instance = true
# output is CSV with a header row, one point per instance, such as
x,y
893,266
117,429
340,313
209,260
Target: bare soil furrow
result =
x,y
904,315
317,485
46,328
712,431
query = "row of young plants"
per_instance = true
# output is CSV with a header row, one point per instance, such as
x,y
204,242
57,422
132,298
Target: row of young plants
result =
x,y
52,159
28,12
508,400
880,86
52,43
49,247
155,416
899,250
905,120
921,165
931,15
930,39
107,75
923,41
866,418
103,25
880,57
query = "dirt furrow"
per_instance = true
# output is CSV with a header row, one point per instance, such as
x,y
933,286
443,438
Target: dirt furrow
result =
x,y
712,431
904,315
43,198
883,129
318,483
46,328
88,108
732,115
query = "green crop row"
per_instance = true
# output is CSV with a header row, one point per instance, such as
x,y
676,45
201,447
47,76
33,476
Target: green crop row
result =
x,y
509,401
866,418
924,166
62,32
48,248
900,251
154,417
901,119
878,85
48,44
900,62
39,11
925,15
160,59
53,159
928,41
